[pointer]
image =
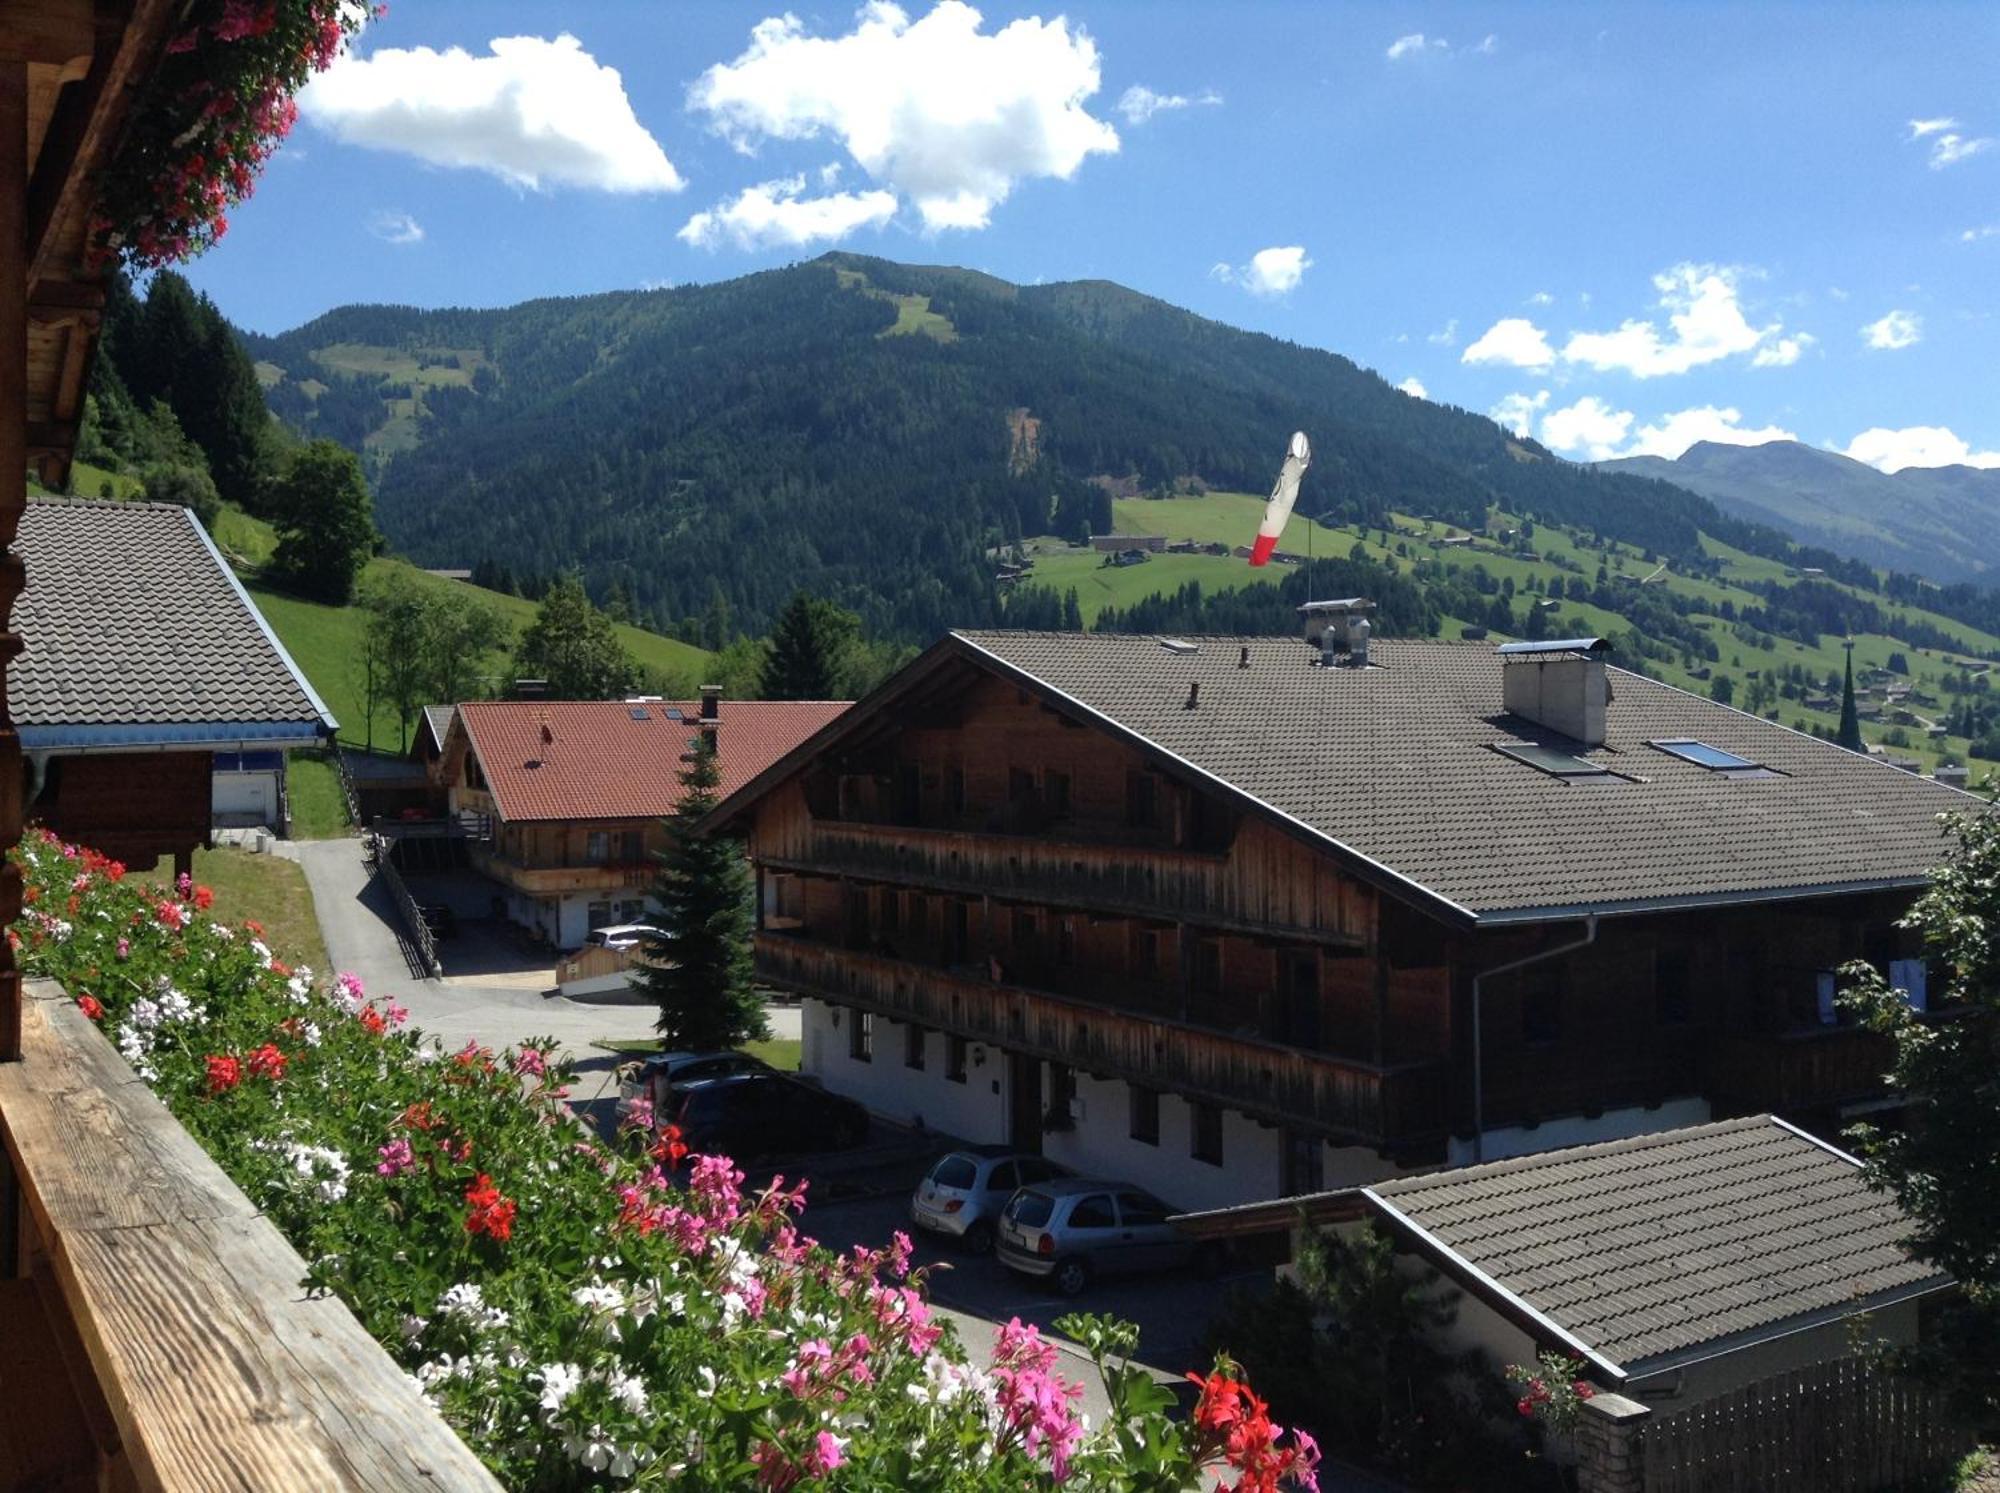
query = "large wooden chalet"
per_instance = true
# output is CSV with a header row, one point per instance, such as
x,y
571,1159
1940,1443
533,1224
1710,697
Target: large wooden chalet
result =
x,y
1248,917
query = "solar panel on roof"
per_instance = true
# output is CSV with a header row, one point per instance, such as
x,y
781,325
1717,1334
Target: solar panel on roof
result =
x,y
1701,754
1554,762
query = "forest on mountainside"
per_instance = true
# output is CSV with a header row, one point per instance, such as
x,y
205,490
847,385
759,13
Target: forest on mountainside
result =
x,y
876,432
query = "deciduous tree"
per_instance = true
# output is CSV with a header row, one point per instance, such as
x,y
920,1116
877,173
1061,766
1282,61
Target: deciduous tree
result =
x,y
325,522
574,647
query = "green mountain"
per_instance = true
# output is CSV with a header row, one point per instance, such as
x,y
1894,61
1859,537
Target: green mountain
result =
x,y
1942,522
875,430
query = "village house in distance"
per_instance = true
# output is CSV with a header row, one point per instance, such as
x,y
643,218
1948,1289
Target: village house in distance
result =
x,y
569,795
1241,918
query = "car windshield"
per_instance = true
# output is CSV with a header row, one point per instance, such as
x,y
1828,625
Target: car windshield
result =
x,y
1031,1209
955,1171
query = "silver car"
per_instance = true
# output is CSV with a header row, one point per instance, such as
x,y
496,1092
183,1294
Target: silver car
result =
x,y
964,1191
1075,1228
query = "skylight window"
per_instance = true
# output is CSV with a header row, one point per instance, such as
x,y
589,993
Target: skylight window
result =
x,y
1715,759
640,713
1556,763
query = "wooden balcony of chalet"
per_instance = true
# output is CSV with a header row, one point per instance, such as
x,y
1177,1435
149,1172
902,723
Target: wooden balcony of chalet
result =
x,y
154,1331
549,880
1810,1068
1389,1106
1092,875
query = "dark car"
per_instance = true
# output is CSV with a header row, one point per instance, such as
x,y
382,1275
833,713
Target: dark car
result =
x,y
764,1114
657,1075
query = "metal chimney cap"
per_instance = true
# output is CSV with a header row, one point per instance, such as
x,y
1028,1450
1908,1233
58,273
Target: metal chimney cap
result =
x,y
1345,604
1561,645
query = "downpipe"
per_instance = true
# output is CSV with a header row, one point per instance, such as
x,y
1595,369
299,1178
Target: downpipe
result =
x,y
1479,1025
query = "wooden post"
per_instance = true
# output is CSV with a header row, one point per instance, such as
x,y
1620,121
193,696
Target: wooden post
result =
x,y
13,498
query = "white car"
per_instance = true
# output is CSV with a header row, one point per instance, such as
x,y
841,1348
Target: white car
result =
x,y
618,936
963,1193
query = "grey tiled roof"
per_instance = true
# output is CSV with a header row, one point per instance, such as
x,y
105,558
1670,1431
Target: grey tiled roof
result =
x,y
1650,1246
438,719
133,624
1396,764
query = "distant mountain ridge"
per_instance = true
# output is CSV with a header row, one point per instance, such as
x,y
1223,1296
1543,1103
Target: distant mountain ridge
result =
x,y
853,425
1940,522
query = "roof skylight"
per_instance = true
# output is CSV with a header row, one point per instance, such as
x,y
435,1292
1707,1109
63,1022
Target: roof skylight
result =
x,y
1553,761
1715,759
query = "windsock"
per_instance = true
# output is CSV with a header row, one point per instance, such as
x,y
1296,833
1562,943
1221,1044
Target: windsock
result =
x,y
1298,456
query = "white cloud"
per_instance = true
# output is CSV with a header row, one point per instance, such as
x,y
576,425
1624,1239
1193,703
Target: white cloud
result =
x,y
1541,298
1444,336
1916,446
1922,127
1589,427
1704,324
1414,387
533,112
1899,329
1274,271
1948,145
396,228
1139,103
934,110
1415,45
1782,352
1673,434
1517,411
1974,235
1488,45
1512,340
774,214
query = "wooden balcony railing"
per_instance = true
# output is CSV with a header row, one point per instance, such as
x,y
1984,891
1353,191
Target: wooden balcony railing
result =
x,y
171,1336
1800,1070
1392,1107
541,880
1164,884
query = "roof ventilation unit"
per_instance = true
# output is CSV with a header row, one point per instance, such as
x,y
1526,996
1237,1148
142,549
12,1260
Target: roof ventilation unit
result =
x,y
1562,685
1340,630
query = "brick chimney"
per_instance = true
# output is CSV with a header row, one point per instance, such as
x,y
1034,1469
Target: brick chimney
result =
x,y
1561,685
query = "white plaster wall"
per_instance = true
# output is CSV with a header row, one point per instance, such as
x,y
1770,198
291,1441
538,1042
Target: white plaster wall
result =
x,y
975,1110
1575,1130
1102,1145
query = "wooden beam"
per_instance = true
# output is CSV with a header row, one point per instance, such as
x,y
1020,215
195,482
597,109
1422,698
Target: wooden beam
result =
x,y
47,31
13,487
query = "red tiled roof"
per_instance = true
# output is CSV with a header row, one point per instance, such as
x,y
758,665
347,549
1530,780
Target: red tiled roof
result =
x,y
599,761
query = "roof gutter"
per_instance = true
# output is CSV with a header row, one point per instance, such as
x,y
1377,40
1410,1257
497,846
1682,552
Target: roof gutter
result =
x,y
166,736
1478,1025
1691,901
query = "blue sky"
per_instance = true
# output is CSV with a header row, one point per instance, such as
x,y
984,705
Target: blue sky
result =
x,y
1618,227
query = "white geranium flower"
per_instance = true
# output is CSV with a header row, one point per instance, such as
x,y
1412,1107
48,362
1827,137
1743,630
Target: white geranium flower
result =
x,y
559,1381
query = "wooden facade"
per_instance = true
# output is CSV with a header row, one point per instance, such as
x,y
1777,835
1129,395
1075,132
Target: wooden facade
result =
x,y
137,809
986,865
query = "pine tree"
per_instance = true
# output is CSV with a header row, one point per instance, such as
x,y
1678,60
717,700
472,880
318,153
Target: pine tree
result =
x,y
697,966
1850,717
809,650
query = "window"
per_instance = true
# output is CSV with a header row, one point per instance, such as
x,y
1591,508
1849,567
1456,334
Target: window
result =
x,y
954,790
1141,800
914,1038
1541,1013
475,776
1027,929
1004,1177
599,915
1673,988
1020,785
1062,1093
1715,759
1138,1210
861,1036
1146,954
1145,1115
597,847
1557,764
1055,794
954,1059
1207,1138
1093,1212
1208,967
1065,941
892,909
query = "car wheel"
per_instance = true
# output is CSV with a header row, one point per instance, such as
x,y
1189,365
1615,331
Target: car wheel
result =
x,y
1072,1277
978,1238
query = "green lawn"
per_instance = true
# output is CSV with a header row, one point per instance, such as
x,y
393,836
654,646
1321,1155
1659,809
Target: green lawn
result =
x,y
87,481
319,808
267,890
782,1053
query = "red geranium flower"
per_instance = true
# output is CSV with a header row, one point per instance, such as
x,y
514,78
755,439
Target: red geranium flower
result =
x,y
670,1148
204,898
268,1062
487,1212
90,1006
223,1073
372,1019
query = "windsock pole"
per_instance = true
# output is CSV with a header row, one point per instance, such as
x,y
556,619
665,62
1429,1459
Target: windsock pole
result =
x,y
1298,456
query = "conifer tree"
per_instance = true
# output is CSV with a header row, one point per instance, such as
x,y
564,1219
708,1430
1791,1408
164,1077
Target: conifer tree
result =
x,y
697,967
809,650
1850,717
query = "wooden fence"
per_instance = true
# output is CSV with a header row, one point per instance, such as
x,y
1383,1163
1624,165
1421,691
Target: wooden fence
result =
x,y
1836,1427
